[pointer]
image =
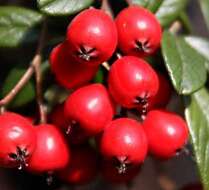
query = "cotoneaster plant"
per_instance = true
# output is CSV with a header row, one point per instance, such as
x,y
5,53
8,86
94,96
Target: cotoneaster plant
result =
x,y
114,86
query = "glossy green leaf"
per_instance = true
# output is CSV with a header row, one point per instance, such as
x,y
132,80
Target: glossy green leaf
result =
x,y
15,24
197,116
185,66
170,10
63,7
152,5
26,95
201,45
204,4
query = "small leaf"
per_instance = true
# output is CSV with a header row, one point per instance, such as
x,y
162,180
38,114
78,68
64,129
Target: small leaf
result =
x,y
99,77
169,11
26,95
204,4
201,45
15,24
185,66
198,121
63,7
152,5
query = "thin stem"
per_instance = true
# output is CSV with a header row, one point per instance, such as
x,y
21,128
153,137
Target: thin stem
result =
x,y
106,66
21,83
175,27
107,7
129,2
38,75
35,64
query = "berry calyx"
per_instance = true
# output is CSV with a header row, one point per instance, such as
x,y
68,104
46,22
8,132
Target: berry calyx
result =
x,y
124,140
139,32
90,108
67,70
52,152
18,140
92,37
166,132
132,82
83,167
75,134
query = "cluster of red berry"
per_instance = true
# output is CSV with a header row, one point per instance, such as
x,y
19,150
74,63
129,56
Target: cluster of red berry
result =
x,y
88,112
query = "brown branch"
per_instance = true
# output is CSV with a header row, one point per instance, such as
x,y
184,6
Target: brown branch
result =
x,y
34,67
21,83
38,75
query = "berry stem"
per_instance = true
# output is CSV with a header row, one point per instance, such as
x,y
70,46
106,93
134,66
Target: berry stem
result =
x,y
38,76
107,8
129,2
106,66
175,27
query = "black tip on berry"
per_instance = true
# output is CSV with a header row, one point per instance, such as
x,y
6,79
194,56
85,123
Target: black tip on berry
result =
x,y
86,53
143,103
20,157
142,46
122,168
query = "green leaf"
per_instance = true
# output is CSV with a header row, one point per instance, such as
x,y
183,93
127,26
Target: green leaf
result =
x,y
63,7
99,77
185,66
152,5
197,116
204,4
201,45
15,23
169,11
26,95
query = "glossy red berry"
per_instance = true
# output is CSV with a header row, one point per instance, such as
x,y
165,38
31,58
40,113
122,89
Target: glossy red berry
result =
x,y
89,107
67,70
83,167
139,32
163,95
17,142
161,99
92,37
110,172
124,140
76,134
166,132
51,153
132,81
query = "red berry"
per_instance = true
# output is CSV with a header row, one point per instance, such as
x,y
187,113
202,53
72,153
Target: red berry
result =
x,y
83,167
161,99
17,142
132,82
110,172
139,32
90,108
124,140
67,70
166,132
51,153
163,95
92,37
76,134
